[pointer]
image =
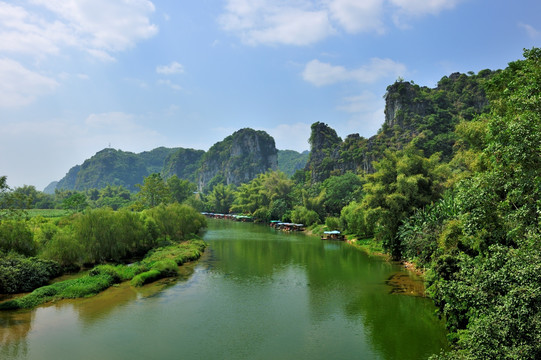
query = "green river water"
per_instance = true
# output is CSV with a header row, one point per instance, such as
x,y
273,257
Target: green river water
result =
x,y
257,293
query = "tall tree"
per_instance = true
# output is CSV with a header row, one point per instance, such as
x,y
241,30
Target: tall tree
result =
x,y
153,192
403,182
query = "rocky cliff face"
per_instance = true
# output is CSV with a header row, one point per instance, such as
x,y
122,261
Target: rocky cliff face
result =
x,y
324,145
238,159
425,115
183,163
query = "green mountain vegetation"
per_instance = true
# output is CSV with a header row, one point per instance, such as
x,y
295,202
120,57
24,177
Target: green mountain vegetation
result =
x,y
289,161
413,113
237,159
451,183
114,168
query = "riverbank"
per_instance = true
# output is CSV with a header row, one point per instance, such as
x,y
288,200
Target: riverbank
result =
x,y
158,263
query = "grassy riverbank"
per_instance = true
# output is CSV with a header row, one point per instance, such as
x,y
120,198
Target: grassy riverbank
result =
x,y
158,263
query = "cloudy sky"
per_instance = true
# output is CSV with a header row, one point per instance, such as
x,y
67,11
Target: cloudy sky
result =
x,y
77,76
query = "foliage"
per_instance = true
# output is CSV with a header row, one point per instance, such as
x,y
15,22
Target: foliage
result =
x,y
22,274
220,199
16,236
267,195
302,215
179,189
176,222
290,161
76,202
64,248
339,191
108,235
403,182
157,265
153,192
419,233
352,218
333,223
482,244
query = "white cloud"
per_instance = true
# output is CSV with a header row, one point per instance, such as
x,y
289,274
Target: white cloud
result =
x,y
291,136
304,22
98,27
24,33
359,103
530,30
173,68
358,16
20,86
293,22
321,74
408,9
170,84
424,7
367,114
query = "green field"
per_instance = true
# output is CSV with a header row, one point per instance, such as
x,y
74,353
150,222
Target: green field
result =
x,y
47,213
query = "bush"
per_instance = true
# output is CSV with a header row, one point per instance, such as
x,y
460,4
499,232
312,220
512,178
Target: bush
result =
x,y
333,223
64,249
177,221
20,274
353,220
302,215
16,236
146,277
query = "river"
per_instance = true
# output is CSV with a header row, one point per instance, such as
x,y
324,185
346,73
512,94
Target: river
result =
x,y
256,293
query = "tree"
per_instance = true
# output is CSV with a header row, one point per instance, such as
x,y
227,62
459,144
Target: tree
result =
x,y
267,195
76,202
340,191
180,189
220,199
153,192
403,182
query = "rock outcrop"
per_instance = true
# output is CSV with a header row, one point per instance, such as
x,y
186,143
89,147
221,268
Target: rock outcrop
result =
x,y
412,113
238,159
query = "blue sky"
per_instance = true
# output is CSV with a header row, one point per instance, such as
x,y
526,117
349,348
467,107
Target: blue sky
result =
x,y
79,75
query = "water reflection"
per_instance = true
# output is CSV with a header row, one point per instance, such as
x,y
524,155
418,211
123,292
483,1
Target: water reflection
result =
x,y
256,293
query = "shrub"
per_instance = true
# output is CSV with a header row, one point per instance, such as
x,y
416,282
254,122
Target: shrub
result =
x,y
63,248
146,277
333,223
302,215
20,274
16,236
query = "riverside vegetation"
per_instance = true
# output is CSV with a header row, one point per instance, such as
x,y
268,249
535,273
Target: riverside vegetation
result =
x,y
451,183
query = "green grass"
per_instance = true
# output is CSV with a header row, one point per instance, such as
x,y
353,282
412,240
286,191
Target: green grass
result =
x,y
180,253
70,289
369,245
47,213
159,263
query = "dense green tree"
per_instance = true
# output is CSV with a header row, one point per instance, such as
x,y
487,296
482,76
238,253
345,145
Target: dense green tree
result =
x,y
153,192
267,195
176,221
302,215
340,191
220,199
180,189
115,197
76,202
403,182
15,235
